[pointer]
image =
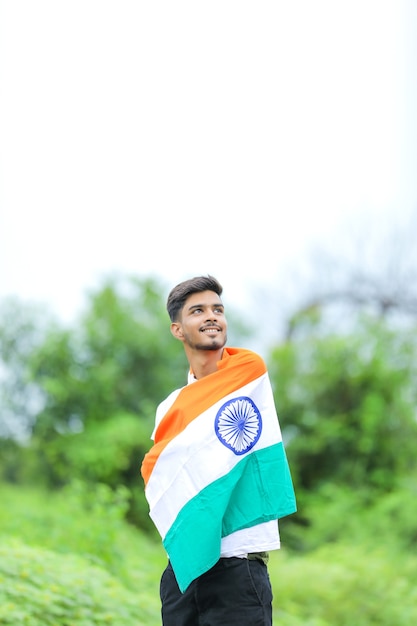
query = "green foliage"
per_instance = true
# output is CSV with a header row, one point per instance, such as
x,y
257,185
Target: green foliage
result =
x,y
19,463
102,453
108,453
83,519
346,406
334,513
96,386
117,360
23,328
69,559
41,588
344,584
92,389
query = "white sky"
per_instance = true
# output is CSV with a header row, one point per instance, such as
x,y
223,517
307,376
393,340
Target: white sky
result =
x,y
178,138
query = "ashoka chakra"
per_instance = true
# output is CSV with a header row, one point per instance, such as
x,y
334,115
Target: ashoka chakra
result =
x,y
238,424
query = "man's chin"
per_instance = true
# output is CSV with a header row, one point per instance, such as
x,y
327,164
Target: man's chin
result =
x,y
216,345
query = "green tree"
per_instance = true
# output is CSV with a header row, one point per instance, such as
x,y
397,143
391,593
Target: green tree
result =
x,y
347,406
100,383
23,329
119,358
97,385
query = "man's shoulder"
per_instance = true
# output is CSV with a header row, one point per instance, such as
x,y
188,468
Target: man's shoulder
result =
x,y
163,407
169,400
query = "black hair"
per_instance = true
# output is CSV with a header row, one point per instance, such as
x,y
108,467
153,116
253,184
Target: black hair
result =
x,y
179,294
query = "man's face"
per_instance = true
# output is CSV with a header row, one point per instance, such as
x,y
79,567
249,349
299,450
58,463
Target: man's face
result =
x,y
202,324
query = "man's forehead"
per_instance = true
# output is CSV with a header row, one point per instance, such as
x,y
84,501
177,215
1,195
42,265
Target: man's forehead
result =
x,y
204,298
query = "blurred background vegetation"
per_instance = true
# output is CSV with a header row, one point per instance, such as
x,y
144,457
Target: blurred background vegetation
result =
x,y
77,408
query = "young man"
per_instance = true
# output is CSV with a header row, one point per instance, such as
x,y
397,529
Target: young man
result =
x,y
217,478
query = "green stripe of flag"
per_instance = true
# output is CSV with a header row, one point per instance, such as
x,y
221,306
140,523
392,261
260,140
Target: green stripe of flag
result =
x,y
258,489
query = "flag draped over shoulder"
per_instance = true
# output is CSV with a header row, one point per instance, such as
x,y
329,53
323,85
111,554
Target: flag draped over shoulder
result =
x,y
218,464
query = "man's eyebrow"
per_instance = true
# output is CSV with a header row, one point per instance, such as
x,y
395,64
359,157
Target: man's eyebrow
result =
x,y
217,305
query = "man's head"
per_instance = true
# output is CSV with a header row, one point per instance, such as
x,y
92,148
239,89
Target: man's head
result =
x,y
197,314
181,292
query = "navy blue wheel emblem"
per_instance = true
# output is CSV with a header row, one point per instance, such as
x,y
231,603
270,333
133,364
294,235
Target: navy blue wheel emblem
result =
x,y
238,424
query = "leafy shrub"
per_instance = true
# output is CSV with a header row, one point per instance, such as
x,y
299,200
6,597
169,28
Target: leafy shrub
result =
x,y
344,585
41,588
347,407
87,520
110,453
102,452
352,572
335,512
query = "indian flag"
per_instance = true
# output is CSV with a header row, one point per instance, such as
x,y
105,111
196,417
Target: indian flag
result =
x,y
218,464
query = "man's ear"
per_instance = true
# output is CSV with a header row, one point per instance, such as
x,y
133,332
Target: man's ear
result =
x,y
176,330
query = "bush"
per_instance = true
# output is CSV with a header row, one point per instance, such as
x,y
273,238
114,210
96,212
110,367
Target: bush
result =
x,y
41,588
358,566
347,407
335,512
344,585
86,520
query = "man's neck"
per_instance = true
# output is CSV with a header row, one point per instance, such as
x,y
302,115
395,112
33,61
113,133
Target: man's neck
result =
x,y
204,362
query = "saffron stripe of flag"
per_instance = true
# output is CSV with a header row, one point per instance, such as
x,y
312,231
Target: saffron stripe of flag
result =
x,y
236,368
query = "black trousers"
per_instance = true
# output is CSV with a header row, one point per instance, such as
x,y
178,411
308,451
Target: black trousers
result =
x,y
235,592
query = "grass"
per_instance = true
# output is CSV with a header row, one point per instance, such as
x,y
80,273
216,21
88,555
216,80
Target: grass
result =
x,y
73,555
